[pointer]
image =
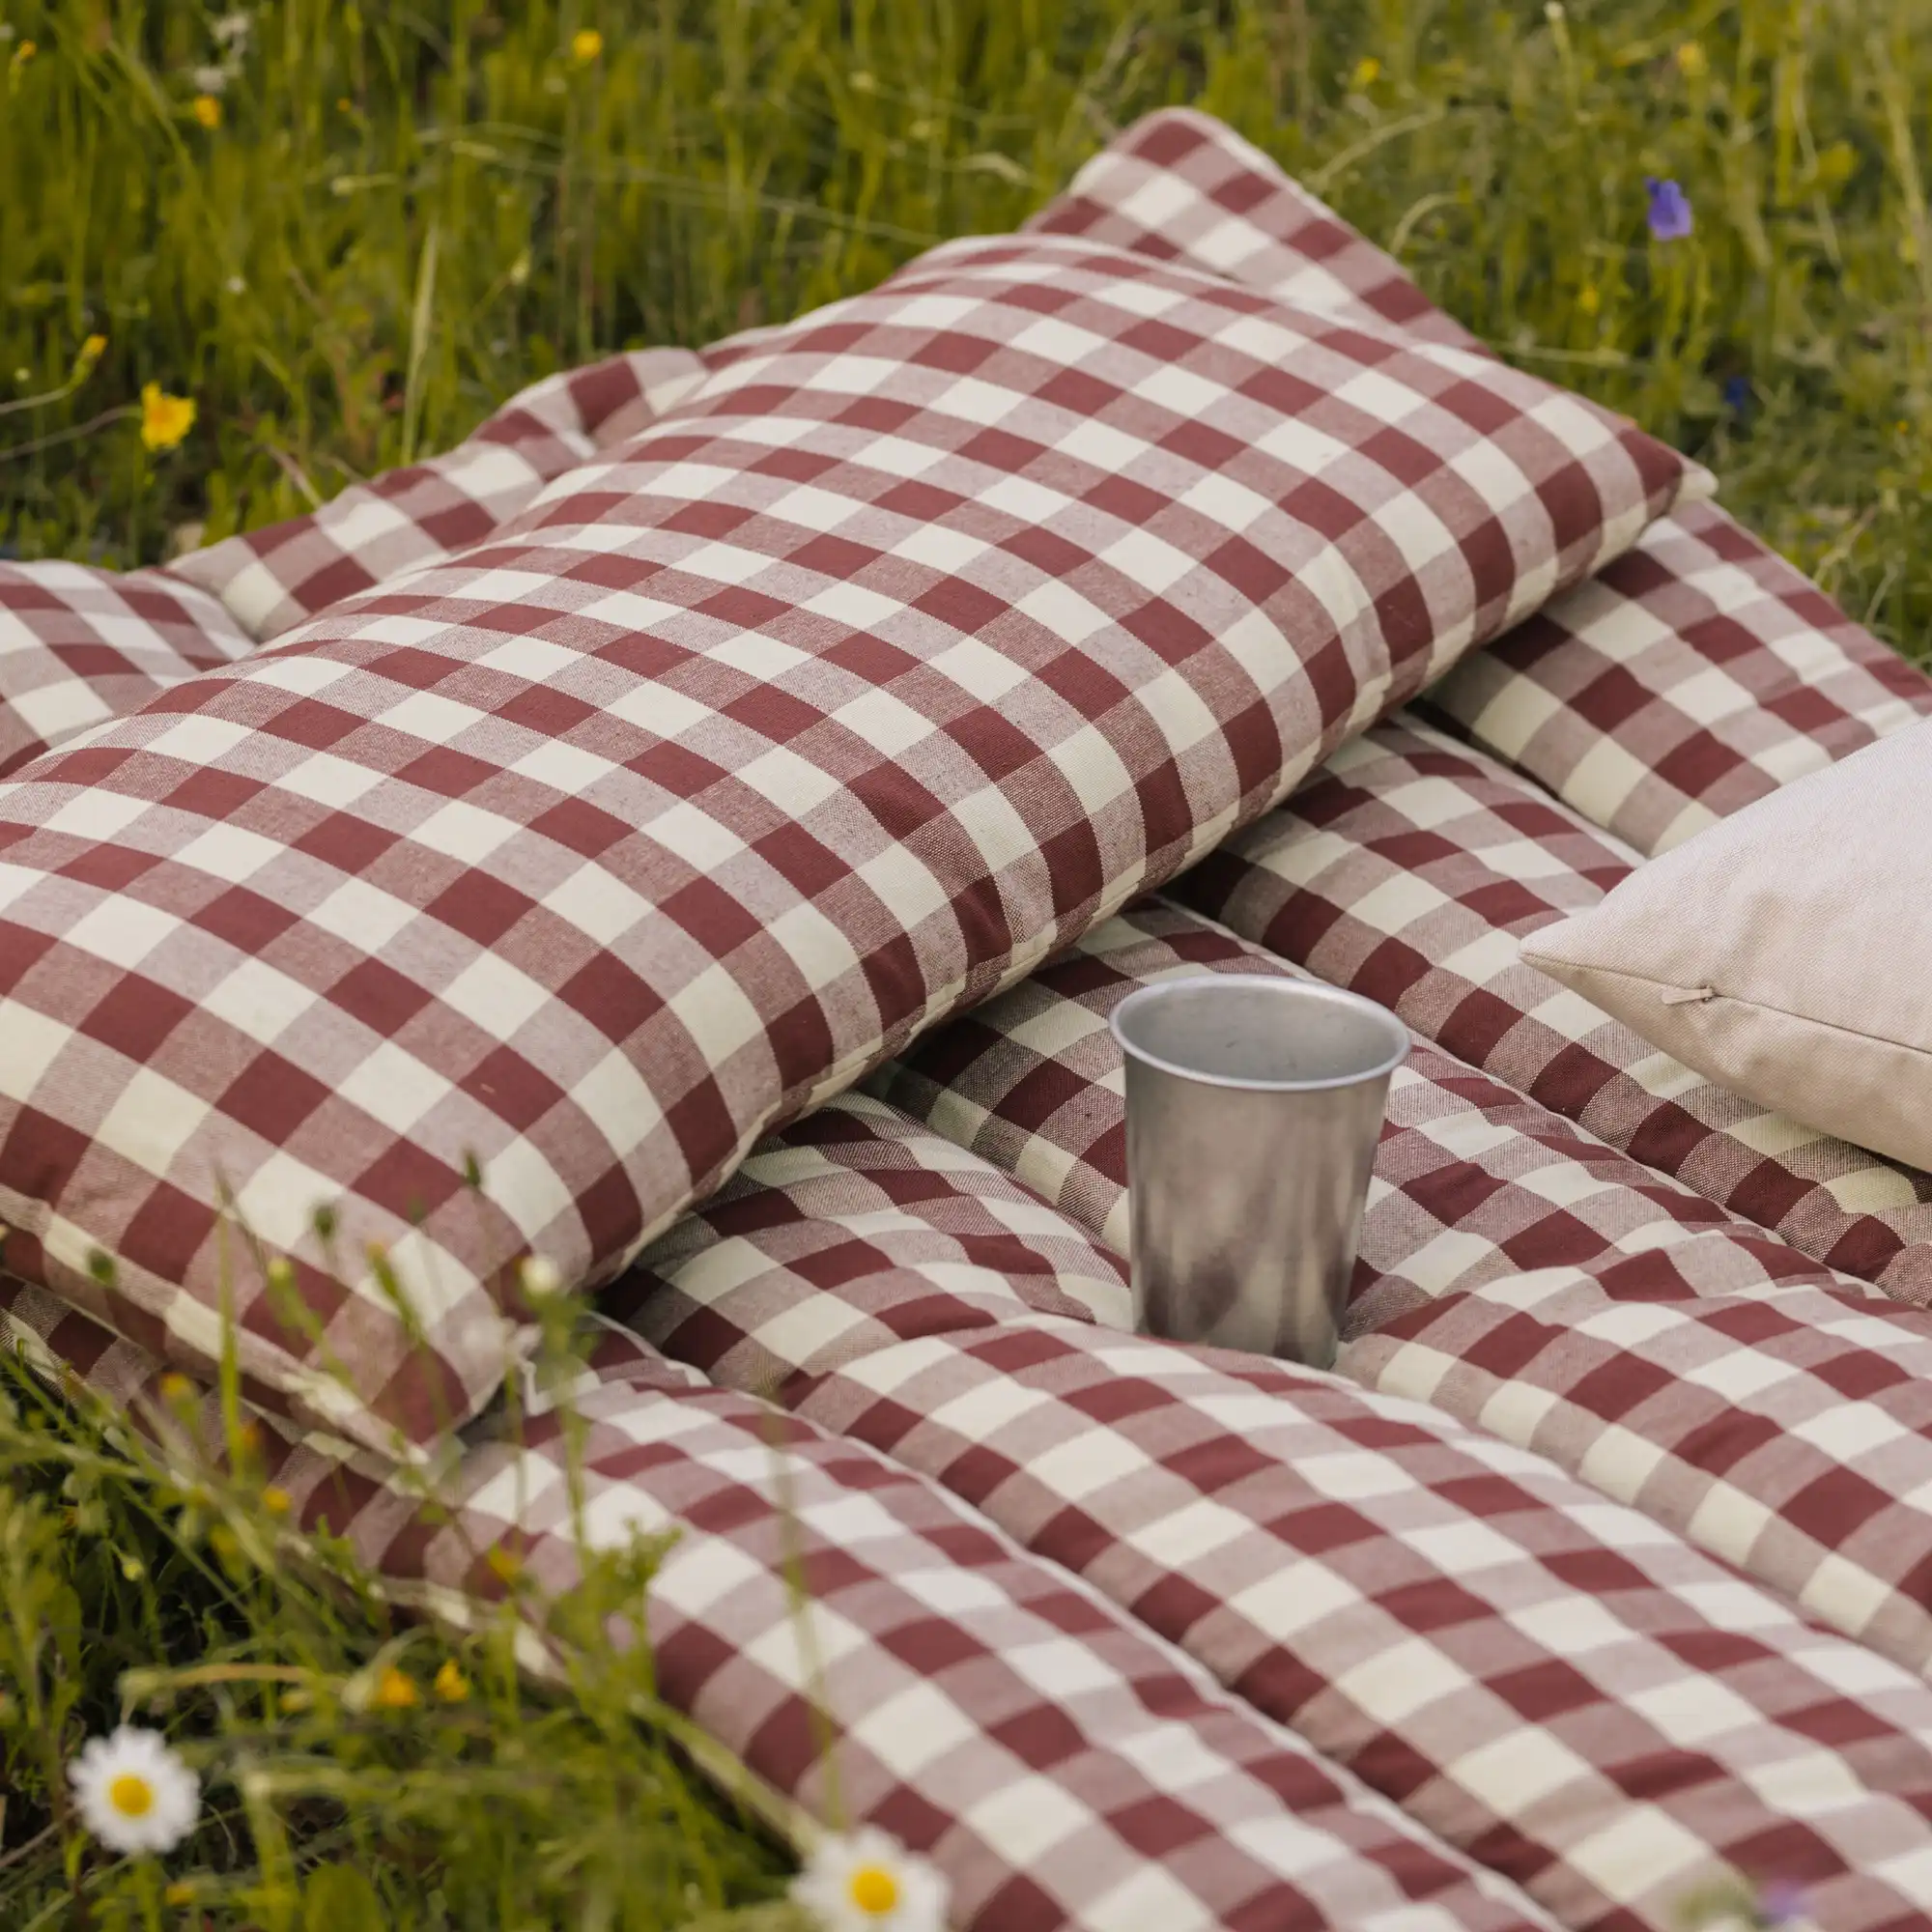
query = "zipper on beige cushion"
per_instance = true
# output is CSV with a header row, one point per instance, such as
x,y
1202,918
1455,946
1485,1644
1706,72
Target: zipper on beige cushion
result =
x,y
1686,996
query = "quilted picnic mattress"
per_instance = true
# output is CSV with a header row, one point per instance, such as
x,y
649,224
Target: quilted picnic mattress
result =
x,y
1599,1569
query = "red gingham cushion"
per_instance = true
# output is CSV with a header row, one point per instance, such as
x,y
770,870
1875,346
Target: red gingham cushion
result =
x,y
927,632
1182,185
1586,1704
1409,870
271,578
1530,1279
1032,1083
1686,679
1786,1429
845,1232
1698,672
1062,1766
1543,1678
79,646
1032,1079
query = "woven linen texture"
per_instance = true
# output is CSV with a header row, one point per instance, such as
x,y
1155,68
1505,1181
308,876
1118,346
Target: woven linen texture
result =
x,y
1558,1685
845,1232
1696,674
1543,1678
859,1257
80,647
1182,185
922,636
270,580
1523,1276
1686,679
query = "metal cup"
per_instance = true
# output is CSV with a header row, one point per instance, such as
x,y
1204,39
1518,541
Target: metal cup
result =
x,y
1253,1106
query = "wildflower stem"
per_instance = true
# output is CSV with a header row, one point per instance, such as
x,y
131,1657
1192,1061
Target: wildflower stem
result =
x,y
73,435
46,397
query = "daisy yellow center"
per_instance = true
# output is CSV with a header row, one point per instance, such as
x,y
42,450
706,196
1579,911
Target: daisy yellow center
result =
x,y
132,1795
873,1890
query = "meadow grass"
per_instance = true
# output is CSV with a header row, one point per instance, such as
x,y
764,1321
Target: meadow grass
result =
x,y
348,231
361,1771
406,212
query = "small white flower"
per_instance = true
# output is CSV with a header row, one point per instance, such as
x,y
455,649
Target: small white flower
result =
x,y
235,285
541,1277
210,79
134,1793
232,29
867,1882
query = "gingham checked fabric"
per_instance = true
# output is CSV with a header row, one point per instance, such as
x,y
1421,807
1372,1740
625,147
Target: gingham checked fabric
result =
x,y
271,578
1062,1767
1788,1428
1672,1356
925,633
1562,1687
1526,1278
1177,185
1553,1683
1033,1082
1601,1715
846,1232
1409,871
1686,679
1698,672
1032,1079
79,646
1182,185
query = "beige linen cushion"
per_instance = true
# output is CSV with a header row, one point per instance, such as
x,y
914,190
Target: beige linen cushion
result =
x,y
1787,951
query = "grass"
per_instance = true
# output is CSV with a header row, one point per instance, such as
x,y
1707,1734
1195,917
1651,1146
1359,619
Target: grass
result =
x,y
402,213
360,1772
406,212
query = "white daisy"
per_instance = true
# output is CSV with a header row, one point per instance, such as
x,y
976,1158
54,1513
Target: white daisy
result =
x,y
210,79
232,29
134,1793
867,1882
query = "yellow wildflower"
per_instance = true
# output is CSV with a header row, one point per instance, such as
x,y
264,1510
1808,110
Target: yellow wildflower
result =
x,y
207,110
451,1685
395,1690
1588,301
1368,70
25,53
1691,62
164,419
175,1386
585,44
276,1501
178,1893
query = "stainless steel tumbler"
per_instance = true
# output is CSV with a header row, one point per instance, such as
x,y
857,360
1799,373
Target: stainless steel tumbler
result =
x,y
1254,1105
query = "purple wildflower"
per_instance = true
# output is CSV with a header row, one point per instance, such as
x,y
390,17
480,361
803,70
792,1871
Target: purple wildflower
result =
x,y
1738,394
1670,209
1782,1902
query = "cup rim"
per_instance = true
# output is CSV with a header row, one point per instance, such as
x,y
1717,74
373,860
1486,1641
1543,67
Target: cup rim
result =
x,y
1317,990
